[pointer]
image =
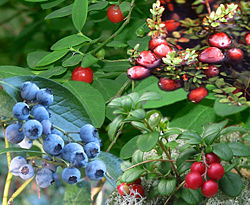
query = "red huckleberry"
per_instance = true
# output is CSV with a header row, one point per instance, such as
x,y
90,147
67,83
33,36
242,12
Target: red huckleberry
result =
x,y
156,42
123,189
219,40
197,94
162,50
137,190
212,158
138,73
215,171
114,14
247,39
211,55
82,74
209,188
193,180
168,84
148,59
212,71
235,54
198,167
171,25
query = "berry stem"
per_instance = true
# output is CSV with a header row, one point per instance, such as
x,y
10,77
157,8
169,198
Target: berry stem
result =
x,y
177,188
208,6
116,137
47,161
205,162
66,133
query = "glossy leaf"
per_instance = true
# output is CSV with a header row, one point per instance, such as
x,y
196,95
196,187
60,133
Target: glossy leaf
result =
x,y
65,11
129,148
132,174
147,142
223,151
191,137
6,104
79,13
239,149
7,71
88,60
166,186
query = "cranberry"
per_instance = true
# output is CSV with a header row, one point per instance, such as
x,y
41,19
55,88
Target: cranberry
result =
x,y
82,74
211,55
168,84
171,25
197,94
137,190
114,14
219,40
156,42
193,180
247,38
138,73
212,158
198,167
215,171
148,59
212,71
162,50
137,181
235,54
123,189
209,188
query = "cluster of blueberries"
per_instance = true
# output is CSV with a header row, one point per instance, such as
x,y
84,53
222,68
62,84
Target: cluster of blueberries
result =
x,y
32,122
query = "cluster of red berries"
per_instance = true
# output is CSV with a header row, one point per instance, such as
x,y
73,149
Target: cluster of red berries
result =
x,y
212,169
134,189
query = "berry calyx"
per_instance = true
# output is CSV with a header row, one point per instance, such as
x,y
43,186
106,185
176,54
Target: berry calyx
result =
x,y
138,73
209,188
212,158
215,171
212,71
219,40
193,180
114,14
137,191
235,54
211,55
123,189
148,59
171,25
247,39
198,167
154,42
82,74
162,50
168,84
197,94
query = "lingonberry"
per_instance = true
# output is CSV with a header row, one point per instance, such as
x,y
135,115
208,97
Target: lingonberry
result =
x,y
114,14
193,180
212,158
156,42
162,50
171,25
82,74
247,38
138,73
197,94
215,171
212,71
148,59
235,54
211,55
198,167
137,181
168,84
219,40
123,189
209,188
137,191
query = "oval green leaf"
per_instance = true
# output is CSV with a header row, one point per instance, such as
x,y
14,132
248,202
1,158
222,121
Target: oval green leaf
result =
x,y
166,186
79,13
223,151
147,142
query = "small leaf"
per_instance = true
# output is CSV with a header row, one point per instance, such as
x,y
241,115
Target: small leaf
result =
x,y
52,57
114,126
34,57
98,6
51,4
65,11
153,118
132,174
129,148
72,60
223,151
166,186
79,13
239,149
7,71
232,129
191,196
149,96
6,104
116,44
147,142
138,114
58,70
137,157
88,60
191,137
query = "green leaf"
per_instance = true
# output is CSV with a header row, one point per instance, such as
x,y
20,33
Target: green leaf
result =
x,y
166,186
137,157
79,13
51,4
70,41
191,196
149,96
58,70
153,117
125,7
191,137
6,104
17,149
147,142
91,100
165,167
98,6
114,126
232,129
138,114
132,174
116,66
116,44
231,184
34,57
65,11
239,149
51,57
223,151
7,71
129,148
72,60
184,156
36,0
88,60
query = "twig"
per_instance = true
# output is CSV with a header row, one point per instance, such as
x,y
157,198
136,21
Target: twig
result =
x,y
116,137
180,185
208,7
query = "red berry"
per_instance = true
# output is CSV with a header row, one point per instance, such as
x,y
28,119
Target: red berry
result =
x,y
82,74
162,50
137,190
197,94
215,171
247,38
193,180
219,40
138,73
123,189
235,54
168,84
211,55
148,59
212,158
209,188
198,167
156,42
212,71
114,14
171,25
137,181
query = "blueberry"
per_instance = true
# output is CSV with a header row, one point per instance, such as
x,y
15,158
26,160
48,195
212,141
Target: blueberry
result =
x,y
88,133
95,170
47,127
69,149
26,171
32,129
47,165
26,143
44,177
56,131
29,90
13,134
92,149
71,175
53,144
40,113
45,97
79,159
15,165
21,111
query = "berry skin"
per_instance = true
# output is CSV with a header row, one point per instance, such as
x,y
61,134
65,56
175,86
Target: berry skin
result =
x,y
162,50
88,133
92,149
209,188
53,144
82,74
15,165
95,170
71,175
44,178
57,132
198,167
123,189
171,25
49,166
114,14
40,113
29,91
193,180
32,129
211,55
45,97
247,39
215,171
79,159
219,40
197,94
235,54
137,190
26,171
154,42
21,111
212,158
47,127
13,134
148,59
138,73
168,84
212,71
137,181
69,149
26,143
